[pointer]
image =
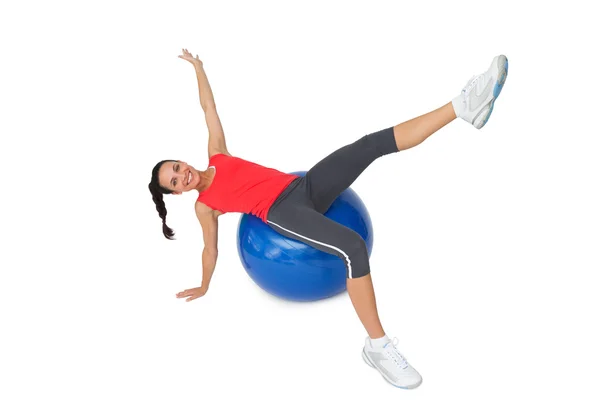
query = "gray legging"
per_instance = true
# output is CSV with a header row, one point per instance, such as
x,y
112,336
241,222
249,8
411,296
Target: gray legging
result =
x,y
298,211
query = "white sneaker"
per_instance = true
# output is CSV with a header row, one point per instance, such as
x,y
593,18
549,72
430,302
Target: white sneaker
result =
x,y
476,101
391,364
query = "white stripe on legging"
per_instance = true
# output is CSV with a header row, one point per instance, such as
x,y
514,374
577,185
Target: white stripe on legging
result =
x,y
322,244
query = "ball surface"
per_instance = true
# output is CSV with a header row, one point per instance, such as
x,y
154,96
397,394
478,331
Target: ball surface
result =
x,y
293,270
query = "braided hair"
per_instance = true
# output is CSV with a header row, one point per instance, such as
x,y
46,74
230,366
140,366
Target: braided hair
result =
x,y
157,195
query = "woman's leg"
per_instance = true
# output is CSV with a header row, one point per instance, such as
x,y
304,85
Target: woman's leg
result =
x,y
336,172
294,218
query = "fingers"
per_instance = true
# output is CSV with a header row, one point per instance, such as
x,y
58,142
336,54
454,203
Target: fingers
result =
x,y
191,294
187,54
191,297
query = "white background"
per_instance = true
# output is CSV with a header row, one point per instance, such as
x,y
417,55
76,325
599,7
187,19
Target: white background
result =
x,y
486,242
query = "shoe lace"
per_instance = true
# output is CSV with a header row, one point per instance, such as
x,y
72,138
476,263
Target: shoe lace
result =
x,y
471,83
394,354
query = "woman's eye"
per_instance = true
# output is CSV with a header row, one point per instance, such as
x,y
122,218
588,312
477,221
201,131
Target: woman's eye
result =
x,y
175,182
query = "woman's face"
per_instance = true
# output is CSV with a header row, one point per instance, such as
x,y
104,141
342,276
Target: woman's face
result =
x,y
178,177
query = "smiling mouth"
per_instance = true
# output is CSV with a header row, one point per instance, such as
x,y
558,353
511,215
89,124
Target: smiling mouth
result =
x,y
189,178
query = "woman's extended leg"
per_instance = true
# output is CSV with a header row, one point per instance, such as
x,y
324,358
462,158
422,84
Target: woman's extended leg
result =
x,y
336,172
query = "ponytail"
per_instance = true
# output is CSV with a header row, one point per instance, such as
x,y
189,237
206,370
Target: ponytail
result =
x,y
157,192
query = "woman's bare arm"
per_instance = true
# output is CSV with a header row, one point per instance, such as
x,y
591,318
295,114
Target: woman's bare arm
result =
x,y
216,136
209,221
210,232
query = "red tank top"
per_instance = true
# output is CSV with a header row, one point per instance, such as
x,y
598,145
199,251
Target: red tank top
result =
x,y
242,186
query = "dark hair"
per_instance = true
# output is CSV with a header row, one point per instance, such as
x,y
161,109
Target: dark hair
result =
x,y
157,195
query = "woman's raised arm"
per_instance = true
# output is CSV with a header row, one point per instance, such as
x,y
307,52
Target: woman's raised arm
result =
x,y
216,136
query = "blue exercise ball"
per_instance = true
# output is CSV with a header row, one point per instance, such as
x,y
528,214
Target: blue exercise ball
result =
x,y
292,270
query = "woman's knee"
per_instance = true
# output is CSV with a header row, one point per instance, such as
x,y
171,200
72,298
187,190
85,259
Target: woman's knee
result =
x,y
358,258
382,142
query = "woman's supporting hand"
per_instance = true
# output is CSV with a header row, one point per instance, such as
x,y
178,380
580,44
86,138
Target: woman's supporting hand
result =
x,y
192,294
196,62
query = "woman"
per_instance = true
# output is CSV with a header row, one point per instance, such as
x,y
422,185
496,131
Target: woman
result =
x,y
294,206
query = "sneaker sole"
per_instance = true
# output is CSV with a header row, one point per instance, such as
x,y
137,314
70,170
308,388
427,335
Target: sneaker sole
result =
x,y
502,74
364,356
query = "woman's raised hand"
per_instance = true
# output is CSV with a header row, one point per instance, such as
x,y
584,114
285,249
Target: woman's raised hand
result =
x,y
189,57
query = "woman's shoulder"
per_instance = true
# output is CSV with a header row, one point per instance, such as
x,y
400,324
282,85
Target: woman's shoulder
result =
x,y
213,154
203,208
